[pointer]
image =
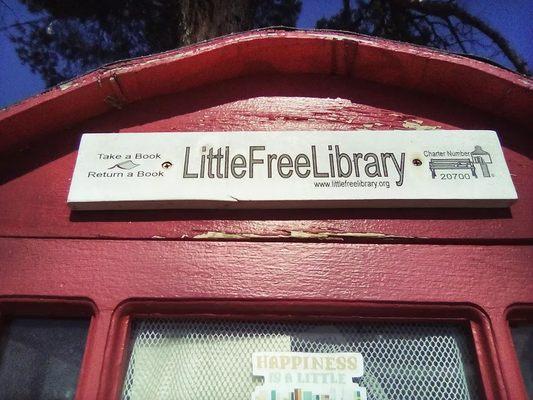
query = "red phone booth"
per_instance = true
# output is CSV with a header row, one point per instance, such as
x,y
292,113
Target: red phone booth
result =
x,y
203,303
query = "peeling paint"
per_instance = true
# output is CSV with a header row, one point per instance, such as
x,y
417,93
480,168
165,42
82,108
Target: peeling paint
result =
x,y
117,91
325,235
68,85
419,125
370,125
218,235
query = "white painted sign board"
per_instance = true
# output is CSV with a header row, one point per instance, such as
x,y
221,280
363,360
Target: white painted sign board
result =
x,y
304,169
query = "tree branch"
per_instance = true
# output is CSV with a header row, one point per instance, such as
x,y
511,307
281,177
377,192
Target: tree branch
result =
x,y
19,24
446,10
455,35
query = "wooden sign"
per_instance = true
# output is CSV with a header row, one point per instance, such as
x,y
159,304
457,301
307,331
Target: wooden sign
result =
x,y
291,170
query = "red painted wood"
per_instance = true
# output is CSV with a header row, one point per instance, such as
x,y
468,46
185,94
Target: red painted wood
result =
x,y
463,80
108,272
507,356
36,181
98,341
112,272
522,313
452,264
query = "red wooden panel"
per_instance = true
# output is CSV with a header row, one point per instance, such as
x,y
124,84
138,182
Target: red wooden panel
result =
x,y
37,180
109,272
489,278
270,80
414,68
516,313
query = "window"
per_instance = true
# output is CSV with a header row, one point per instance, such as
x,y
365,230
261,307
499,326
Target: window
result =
x,y
40,358
202,359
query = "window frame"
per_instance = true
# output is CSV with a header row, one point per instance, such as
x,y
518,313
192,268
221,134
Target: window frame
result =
x,y
521,313
51,308
118,352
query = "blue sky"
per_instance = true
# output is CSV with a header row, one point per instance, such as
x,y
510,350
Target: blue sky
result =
x,y
513,18
16,80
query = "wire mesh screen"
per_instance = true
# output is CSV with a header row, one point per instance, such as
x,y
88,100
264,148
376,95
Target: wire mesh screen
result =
x,y
198,360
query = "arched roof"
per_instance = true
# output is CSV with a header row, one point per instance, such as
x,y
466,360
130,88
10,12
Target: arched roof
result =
x,y
467,81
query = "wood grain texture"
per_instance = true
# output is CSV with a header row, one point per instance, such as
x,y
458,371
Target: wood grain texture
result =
x,y
265,81
36,181
109,273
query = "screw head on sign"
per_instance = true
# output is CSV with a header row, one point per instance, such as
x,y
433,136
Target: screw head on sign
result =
x,y
166,164
417,162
